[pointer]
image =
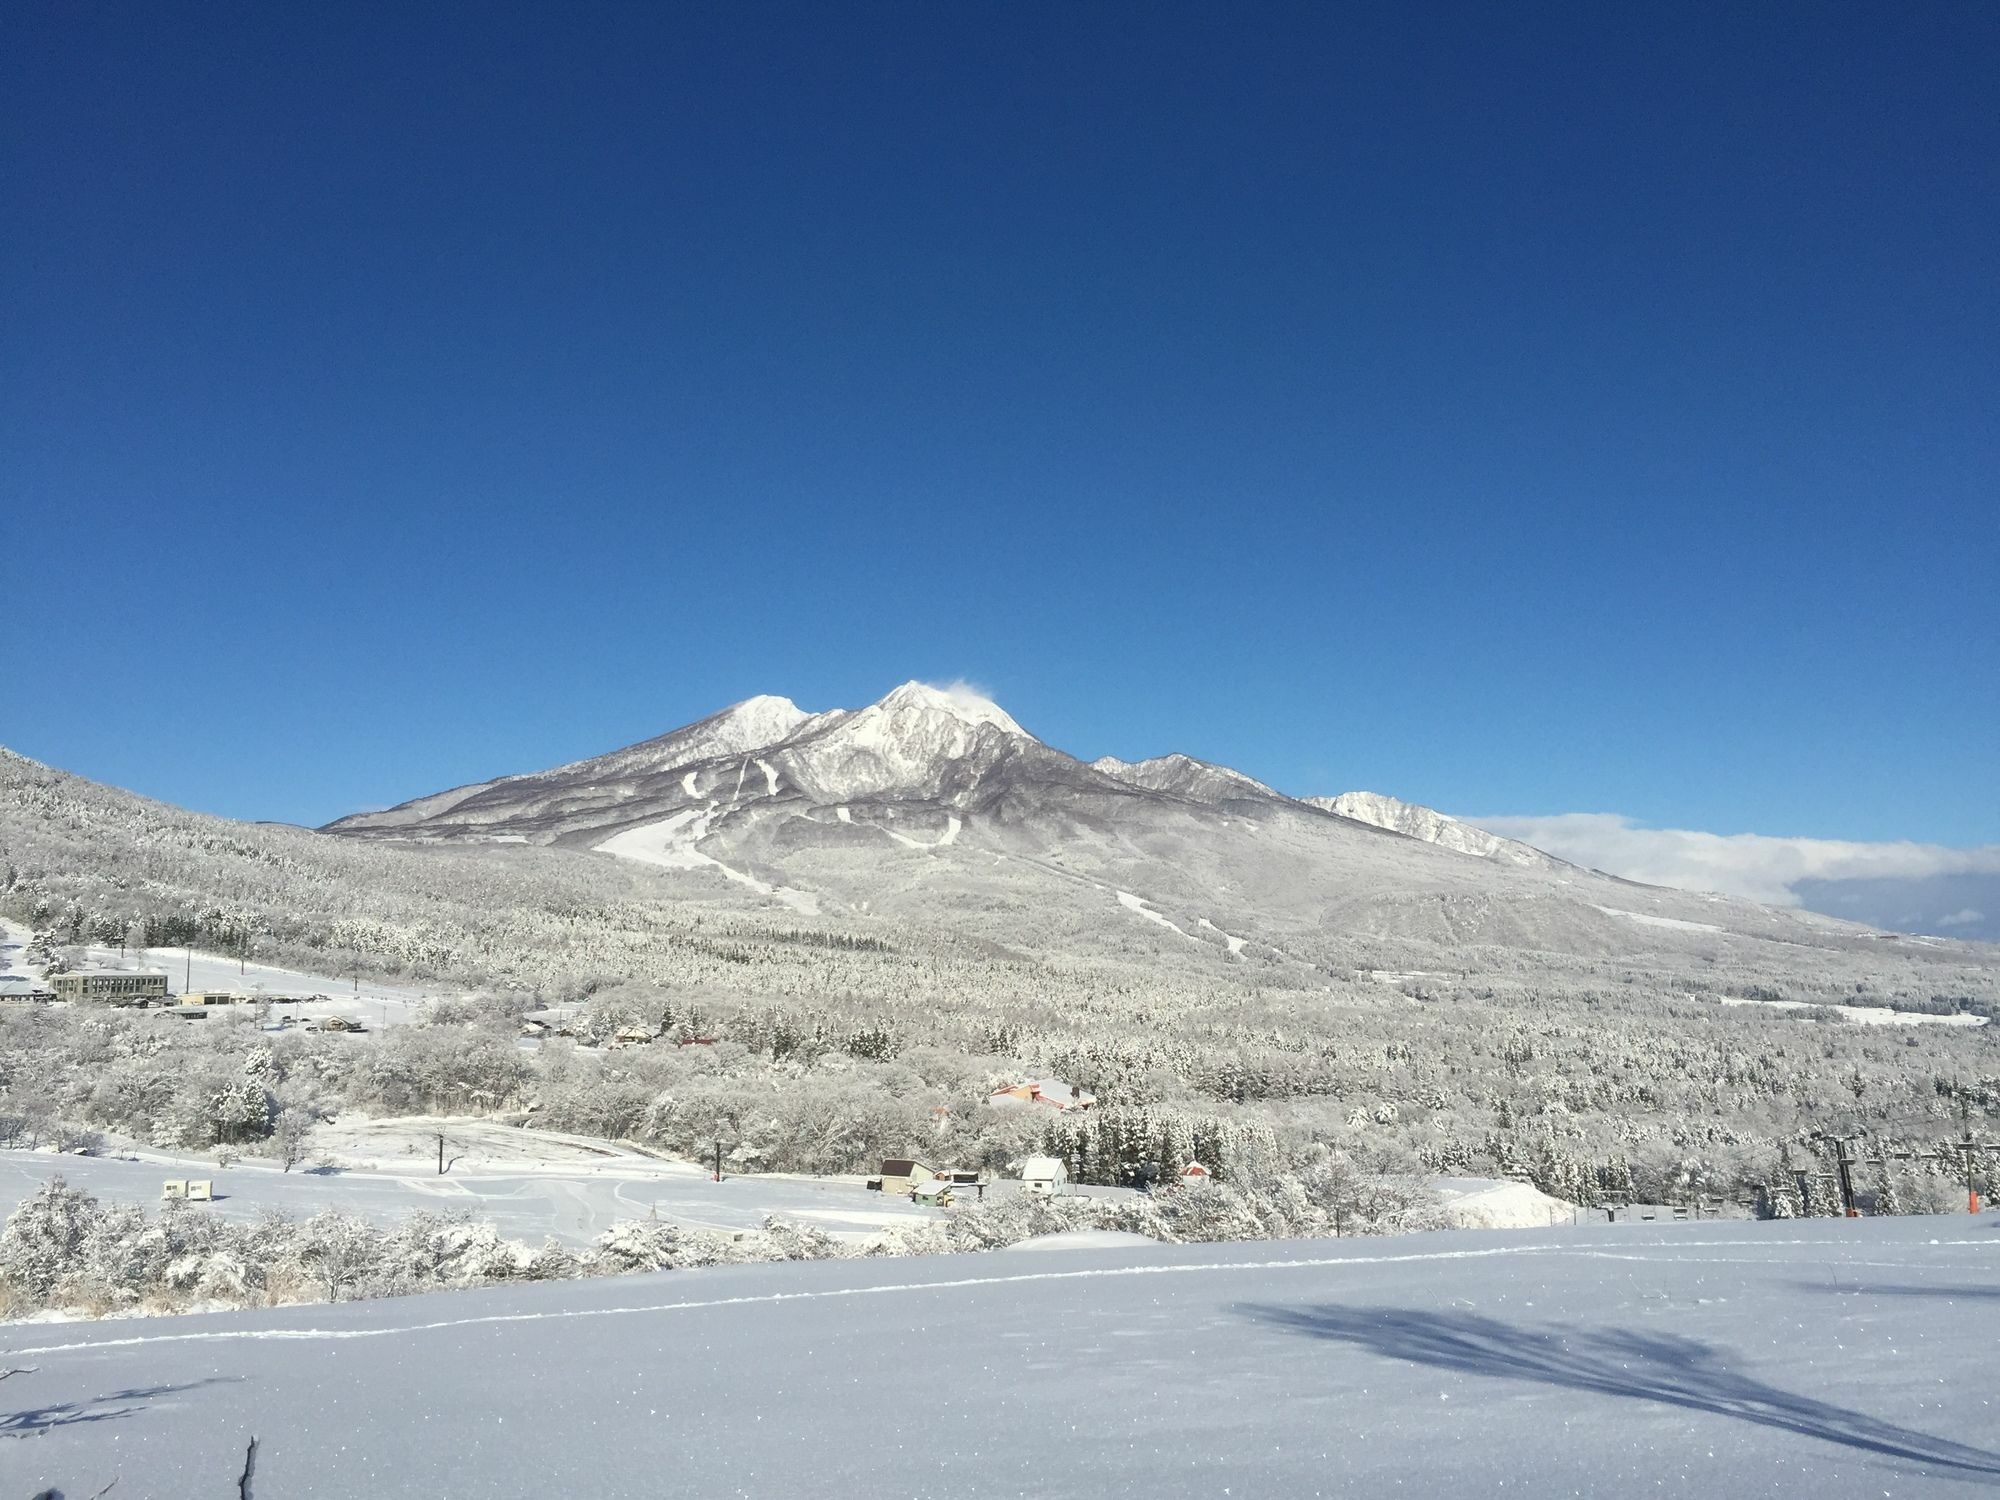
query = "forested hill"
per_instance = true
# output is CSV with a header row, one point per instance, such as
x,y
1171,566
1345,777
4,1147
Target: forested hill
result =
x,y
853,1026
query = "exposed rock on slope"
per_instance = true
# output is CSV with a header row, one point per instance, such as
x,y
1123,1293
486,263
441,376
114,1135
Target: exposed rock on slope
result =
x,y
1434,827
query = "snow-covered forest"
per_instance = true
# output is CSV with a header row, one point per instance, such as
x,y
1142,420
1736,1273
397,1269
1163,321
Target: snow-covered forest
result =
x,y
831,1041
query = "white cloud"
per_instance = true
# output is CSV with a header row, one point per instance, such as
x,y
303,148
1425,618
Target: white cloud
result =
x,y
1753,865
967,695
1966,918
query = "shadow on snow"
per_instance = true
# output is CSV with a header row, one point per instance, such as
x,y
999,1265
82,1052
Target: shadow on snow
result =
x,y
1873,1289
1664,1368
35,1420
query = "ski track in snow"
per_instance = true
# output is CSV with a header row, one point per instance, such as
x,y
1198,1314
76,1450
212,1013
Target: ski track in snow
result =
x,y
670,843
1360,1262
949,836
1646,920
1139,904
1235,943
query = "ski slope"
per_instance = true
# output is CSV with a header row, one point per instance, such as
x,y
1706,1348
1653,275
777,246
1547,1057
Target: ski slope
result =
x,y
1825,1358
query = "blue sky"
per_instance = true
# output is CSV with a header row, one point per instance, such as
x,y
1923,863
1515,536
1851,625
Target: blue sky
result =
x,y
1515,409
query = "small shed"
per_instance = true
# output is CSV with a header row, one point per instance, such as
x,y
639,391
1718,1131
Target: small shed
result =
x,y
1194,1173
902,1175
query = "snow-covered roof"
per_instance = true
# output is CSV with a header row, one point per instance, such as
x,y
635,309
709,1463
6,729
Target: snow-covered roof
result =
x,y
1051,1091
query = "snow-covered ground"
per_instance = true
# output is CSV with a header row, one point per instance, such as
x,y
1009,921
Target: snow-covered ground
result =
x,y
1866,1015
1496,1203
1142,907
670,844
363,1000
568,1194
1646,919
1827,1358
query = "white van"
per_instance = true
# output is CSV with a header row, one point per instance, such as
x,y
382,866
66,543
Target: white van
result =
x,y
1044,1176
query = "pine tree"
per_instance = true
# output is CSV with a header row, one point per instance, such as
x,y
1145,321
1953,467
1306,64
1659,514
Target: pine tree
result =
x,y
1888,1196
47,1236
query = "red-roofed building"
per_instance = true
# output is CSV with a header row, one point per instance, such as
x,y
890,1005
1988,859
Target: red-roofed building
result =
x,y
1052,1092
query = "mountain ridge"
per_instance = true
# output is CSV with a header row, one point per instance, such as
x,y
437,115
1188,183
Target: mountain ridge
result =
x,y
936,795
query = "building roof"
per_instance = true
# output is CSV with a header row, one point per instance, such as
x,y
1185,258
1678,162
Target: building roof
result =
x,y
1053,1092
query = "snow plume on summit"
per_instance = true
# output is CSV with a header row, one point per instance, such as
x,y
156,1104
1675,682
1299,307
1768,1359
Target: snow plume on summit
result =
x,y
959,698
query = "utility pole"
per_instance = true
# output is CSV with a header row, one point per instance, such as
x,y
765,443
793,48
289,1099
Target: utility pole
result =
x,y
1843,1164
187,975
1965,1121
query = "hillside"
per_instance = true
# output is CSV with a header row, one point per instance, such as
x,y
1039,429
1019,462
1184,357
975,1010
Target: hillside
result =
x,y
1215,961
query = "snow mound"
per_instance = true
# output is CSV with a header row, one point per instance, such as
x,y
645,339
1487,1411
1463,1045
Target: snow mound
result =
x,y
1084,1239
1493,1203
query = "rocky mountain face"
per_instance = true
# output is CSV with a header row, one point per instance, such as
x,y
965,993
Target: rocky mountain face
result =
x,y
934,804
1434,827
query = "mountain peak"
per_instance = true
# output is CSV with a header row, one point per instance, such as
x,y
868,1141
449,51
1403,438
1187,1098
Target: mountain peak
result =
x,y
765,717
960,701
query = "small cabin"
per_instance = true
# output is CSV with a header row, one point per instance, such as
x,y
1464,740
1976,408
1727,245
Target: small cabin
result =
x,y
903,1176
1044,1177
1194,1174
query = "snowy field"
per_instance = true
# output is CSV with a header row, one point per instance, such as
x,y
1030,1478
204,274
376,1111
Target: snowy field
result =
x,y
368,1002
1865,1015
1826,1358
574,1205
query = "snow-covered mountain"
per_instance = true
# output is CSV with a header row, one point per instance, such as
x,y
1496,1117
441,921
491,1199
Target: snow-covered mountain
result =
x,y
919,749
935,804
1184,776
1434,827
